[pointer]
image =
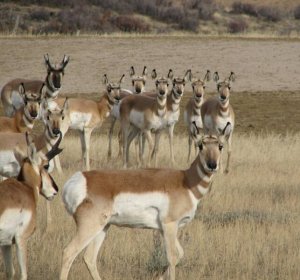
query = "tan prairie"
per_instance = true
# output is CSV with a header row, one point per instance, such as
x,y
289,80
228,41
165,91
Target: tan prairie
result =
x,y
247,227
260,65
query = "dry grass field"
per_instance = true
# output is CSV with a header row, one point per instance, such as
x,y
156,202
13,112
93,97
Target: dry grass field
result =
x,y
248,226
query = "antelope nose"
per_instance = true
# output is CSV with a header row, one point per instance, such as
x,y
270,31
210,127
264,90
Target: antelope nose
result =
x,y
212,165
138,90
179,91
223,97
55,131
161,92
33,114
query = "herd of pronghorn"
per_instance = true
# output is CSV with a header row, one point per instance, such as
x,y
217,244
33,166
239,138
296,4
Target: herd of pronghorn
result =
x,y
155,198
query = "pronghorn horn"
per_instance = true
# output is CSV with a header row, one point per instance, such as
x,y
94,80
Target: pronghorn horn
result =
x,y
122,78
194,123
55,149
170,74
231,77
153,74
65,61
131,71
41,90
216,77
224,130
47,61
145,72
66,104
105,79
207,76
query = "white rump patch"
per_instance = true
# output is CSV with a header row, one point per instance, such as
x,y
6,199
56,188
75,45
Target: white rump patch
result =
x,y
17,100
144,210
9,166
79,120
13,222
74,192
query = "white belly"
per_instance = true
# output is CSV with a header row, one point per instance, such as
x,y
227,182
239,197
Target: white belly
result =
x,y
140,210
172,118
137,119
9,166
79,120
13,222
16,99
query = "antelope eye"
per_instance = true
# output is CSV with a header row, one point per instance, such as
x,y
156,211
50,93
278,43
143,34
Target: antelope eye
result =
x,y
167,84
133,83
48,118
200,146
204,87
221,147
46,167
229,88
62,117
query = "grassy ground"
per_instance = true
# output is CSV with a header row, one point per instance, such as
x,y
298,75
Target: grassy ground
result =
x,y
247,227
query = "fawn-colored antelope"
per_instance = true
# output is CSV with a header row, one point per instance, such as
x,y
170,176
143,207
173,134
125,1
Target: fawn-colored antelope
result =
x,y
163,199
11,98
192,112
143,114
18,203
216,112
85,115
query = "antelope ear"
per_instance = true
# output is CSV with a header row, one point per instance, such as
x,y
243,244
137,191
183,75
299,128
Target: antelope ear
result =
x,y
216,77
153,74
46,58
188,75
231,77
207,76
20,155
22,89
145,71
66,106
170,74
105,79
122,79
131,71
32,154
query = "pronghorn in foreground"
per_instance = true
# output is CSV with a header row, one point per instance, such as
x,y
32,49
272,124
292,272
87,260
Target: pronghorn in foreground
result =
x,y
138,84
192,112
11,98
163,199
18,203
216,112
142,114
85,115
25,117
173,112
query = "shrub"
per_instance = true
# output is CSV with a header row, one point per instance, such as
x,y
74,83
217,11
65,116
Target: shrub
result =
x,y
131,24
237,26
40,15
269,14
190,21
244,8
297,12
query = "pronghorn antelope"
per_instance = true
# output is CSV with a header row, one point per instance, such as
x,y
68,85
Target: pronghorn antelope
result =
x,y
138,85
85,115
216,112
192,111
143,114
173,112
163,199
18,203
25,117
11,98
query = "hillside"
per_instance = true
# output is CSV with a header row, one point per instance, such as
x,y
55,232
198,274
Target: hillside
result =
x,y
217,17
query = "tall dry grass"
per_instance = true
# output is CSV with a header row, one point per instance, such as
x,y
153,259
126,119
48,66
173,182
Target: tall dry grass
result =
x,y
247,227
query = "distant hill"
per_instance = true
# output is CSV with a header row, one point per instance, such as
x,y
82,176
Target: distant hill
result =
x,y
150,16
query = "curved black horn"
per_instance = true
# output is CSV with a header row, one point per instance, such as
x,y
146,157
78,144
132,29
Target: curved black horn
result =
x,y
194,123
55,149
223,132
47,60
